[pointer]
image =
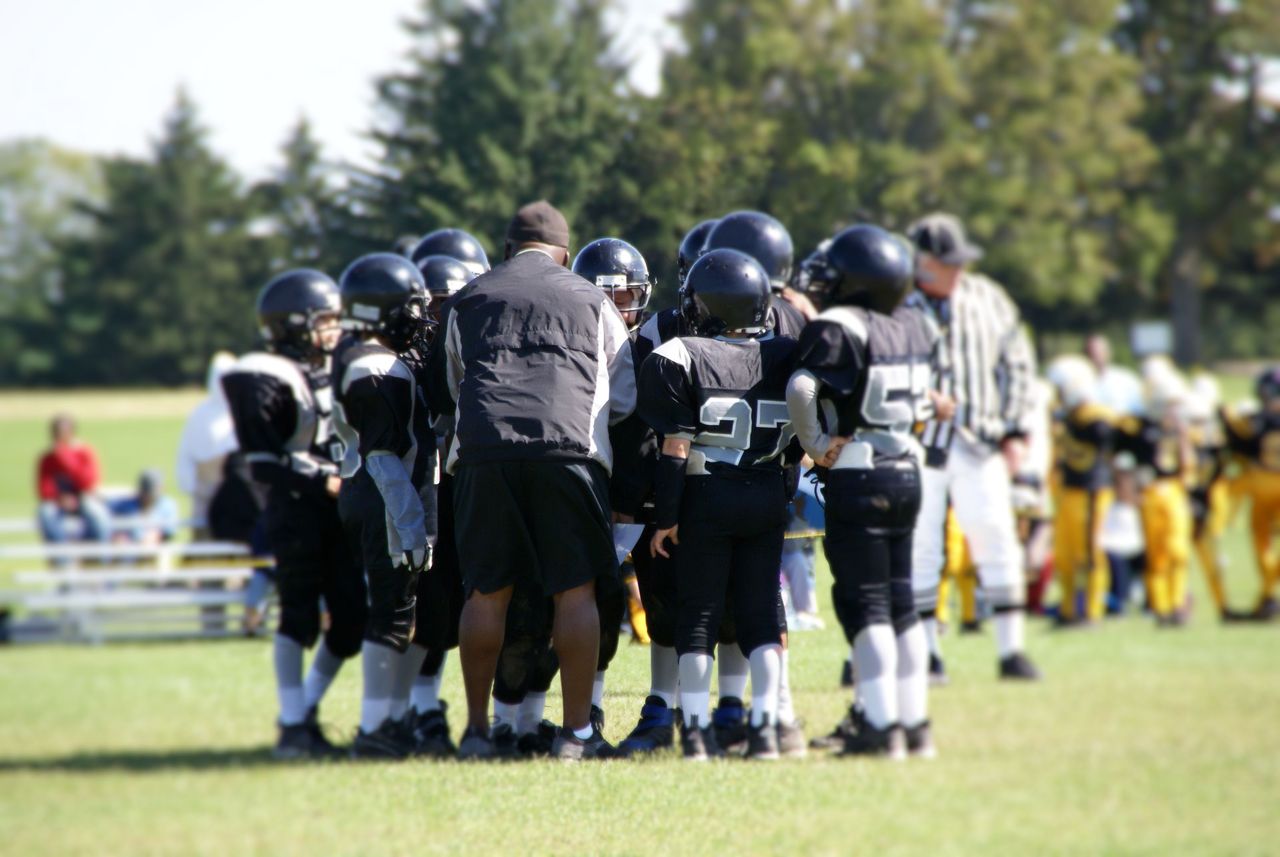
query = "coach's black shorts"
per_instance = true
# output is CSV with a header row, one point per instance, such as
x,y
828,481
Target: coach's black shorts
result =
x,y
548,520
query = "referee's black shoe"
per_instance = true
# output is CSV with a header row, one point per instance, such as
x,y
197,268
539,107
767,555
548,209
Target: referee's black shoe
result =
x,y
1018,667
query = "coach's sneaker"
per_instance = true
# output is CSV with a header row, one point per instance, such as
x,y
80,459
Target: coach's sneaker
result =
x,y
570,748
475,746
388,741
1018,667
294,743
698,743
431,733
506,744
791,743
729,722
866,740
655,731
321,746
538,742
937,672
920,741
762,741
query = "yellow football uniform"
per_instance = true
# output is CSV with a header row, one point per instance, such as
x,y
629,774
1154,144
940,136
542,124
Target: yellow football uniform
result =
x,y
1211,501
1256,439
959,571
1166,512
1084,441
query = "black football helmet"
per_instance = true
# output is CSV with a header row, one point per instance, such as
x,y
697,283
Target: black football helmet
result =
x,y
443,276
811,275
761,237
461,245
288,307
726,291
384,294
613,264
1267,387
691,248
867,267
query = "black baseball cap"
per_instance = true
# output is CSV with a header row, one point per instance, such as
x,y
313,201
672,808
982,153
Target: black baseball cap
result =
x,y
539,222
941,236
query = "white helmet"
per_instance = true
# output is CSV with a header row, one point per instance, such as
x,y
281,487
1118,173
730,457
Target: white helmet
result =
x,y
1166,394
1074,379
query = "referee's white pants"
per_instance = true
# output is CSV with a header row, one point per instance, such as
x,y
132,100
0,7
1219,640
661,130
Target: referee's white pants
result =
x,y
977,481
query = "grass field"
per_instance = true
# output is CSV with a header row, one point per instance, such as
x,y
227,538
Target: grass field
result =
x,y
1139,742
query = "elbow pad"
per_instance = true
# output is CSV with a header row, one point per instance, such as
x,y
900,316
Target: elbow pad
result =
x,y
668,488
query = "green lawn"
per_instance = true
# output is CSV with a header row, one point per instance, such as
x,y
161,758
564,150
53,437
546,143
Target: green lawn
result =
x,y
1139,741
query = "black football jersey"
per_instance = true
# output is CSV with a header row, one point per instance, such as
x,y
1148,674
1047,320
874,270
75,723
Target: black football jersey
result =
x,y
282,414
379,406
727,396
1153,445
875,372
1256,437
1083,443
635,454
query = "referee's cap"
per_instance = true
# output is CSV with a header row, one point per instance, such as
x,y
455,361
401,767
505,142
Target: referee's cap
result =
x,y
942,236
541,223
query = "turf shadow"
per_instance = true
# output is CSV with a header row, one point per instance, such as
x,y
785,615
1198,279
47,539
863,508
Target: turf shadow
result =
x,y
144,761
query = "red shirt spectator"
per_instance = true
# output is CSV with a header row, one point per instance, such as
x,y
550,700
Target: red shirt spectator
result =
x,y
69,467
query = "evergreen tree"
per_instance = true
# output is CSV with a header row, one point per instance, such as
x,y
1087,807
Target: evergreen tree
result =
x,y
300,204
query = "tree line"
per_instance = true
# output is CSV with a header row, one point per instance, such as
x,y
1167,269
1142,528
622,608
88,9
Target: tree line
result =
x,y
1116,159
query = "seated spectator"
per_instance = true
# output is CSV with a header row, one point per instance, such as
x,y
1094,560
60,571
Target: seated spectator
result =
x,y
66,479
207,438
147,518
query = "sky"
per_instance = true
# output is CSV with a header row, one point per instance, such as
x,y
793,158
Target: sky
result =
x,y
98,75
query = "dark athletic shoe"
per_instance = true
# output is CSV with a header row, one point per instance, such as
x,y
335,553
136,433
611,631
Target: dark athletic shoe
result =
x,y
294,742
539,742
388,741
729,722
762,741
1018,667
971,626
846,673
698,744
791,743
597,718
431,733
321,746
920,741
570,748
655,731
475,746
866,740
834,740
937,672
506,744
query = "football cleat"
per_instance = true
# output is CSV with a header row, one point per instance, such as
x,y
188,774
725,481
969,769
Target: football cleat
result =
x,y
698,743
655,731
920,741
1018,667
834,740
791,743
431,733
475,746
388,741
729,722
539,741
321,746
506,744
863,739
762,741
568,747
294,742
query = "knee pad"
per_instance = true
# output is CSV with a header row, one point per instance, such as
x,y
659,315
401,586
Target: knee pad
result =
x,y
860,605
760,628
392,607
902,606
300,623
345,634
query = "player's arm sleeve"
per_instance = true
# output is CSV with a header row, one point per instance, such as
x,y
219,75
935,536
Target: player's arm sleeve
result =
x,y
264,415
802,405
615,350
666,400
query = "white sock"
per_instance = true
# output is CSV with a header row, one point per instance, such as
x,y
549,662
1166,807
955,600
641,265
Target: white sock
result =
x,y
408,665
664,673
584,733
875,655
766,671
425,695
597,690
505,712
786,711
287,658
695,688
324,669
732,671
1010,628
379,663
931,635
913,676
530,714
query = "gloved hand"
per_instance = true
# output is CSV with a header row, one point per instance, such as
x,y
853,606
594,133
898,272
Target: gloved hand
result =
x,y
418,559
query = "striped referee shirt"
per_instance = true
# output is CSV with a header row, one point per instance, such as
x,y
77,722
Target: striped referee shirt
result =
x,y
991,366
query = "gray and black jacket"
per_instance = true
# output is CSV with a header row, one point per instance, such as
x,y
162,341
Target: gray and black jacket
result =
x,y
538,365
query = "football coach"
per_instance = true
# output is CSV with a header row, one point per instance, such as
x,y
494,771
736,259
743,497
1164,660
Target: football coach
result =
x,y
539,366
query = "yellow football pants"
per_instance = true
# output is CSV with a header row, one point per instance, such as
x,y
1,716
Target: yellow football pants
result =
x,y
1077,549
958,571
1263,488
1166,522
1208,540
